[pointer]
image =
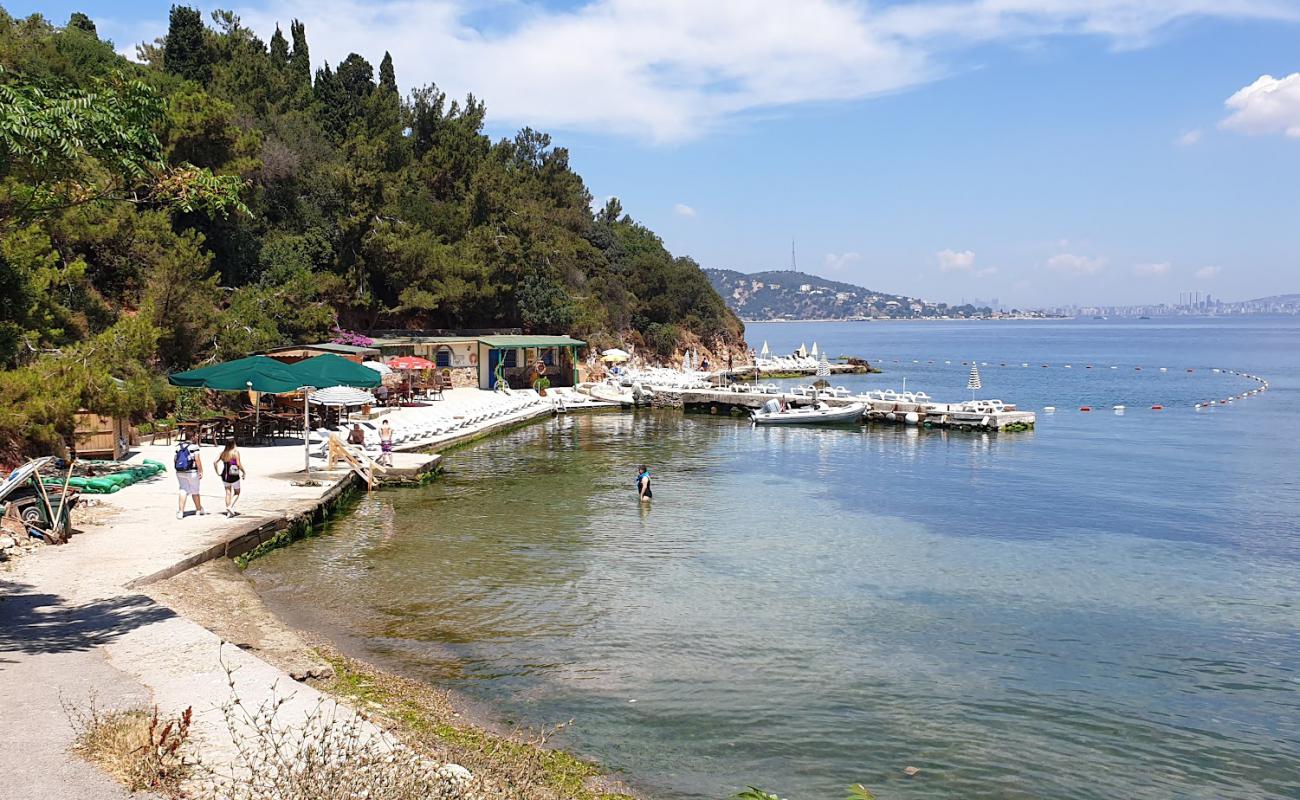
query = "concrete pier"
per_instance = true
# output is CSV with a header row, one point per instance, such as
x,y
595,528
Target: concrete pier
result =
x,y
926,413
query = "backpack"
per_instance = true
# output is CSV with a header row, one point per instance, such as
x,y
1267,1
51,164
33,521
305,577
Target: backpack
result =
x,y
184,461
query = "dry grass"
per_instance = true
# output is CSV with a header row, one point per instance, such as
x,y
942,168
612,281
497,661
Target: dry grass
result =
x,y
421,751
330,753
138,748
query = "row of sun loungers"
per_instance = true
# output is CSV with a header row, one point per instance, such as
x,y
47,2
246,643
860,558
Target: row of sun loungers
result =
x,y
786,364
891,396
427,425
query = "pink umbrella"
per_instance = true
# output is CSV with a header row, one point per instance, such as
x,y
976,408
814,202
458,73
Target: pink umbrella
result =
x,y
411,362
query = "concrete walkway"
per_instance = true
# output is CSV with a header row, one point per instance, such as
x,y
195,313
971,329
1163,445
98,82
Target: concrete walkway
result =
x,y
72,629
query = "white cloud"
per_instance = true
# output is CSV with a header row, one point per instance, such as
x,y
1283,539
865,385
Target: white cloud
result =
x,y
1208,273
1269,105
1152,270
838,261
669,70
683,210
1189,138
1075,265
986,272
956,260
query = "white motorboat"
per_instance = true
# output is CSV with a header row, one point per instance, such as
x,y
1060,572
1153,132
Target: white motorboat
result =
x,y
816,414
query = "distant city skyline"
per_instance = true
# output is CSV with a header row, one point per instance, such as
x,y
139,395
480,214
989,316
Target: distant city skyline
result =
x,y
1112,151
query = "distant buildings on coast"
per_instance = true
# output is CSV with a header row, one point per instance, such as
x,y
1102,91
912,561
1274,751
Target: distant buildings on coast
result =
x,y
1192,304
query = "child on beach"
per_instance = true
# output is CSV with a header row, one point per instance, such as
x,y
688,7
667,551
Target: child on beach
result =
x,y
386,444
230,468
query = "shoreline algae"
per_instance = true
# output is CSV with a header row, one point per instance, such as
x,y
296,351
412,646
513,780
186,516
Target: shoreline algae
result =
x,y
423,717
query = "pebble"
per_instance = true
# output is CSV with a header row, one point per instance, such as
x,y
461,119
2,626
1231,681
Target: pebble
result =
x,y
910,771
455,773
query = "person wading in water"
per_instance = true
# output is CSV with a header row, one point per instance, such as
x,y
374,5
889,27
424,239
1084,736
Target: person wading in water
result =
x,y
643,484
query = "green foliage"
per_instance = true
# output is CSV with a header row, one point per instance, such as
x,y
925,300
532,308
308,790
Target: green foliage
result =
x,y
357,208
186,51
300,61
859,792
109,373
62,146
387,77
544,306
82,22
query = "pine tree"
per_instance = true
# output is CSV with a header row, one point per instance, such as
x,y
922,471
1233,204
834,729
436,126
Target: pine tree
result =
x,y
330,103
279,50
387,78
356,78
300,61
186,52
82,22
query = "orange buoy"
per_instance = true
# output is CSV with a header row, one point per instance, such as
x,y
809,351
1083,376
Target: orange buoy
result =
x,y
1085,408
1157,407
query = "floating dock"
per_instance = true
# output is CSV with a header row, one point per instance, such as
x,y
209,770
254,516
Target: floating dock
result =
x,y
977,415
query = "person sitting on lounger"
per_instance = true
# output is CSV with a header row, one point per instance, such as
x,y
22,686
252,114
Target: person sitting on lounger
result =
x,y
357,436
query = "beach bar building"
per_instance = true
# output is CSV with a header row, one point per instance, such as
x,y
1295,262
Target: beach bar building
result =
x,y
471,358
454,356
518,357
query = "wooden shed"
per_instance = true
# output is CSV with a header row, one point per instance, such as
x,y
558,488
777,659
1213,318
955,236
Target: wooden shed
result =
x,y
98,436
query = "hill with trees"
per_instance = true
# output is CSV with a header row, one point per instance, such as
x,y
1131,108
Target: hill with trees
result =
x,y
786,294
219,198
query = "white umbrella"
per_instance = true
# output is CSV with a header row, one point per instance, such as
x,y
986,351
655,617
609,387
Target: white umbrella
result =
x,y
973,382
341,396
823,367
614,354
802,351
814,350
764,351
383,369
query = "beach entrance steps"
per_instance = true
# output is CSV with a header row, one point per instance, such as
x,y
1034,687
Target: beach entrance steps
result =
x,y
366,467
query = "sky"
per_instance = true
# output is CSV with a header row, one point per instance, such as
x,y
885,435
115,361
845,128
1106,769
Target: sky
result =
x,y
1041,152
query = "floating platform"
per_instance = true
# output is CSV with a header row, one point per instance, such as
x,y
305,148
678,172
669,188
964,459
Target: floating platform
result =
x,y
924,413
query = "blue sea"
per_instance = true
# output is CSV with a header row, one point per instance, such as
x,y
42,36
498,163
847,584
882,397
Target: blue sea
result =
x,y
1107,606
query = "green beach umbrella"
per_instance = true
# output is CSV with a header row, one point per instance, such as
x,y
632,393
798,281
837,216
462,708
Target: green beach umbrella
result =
x,y
260,373
331,370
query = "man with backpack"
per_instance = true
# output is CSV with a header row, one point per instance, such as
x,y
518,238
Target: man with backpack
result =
x,y
189,471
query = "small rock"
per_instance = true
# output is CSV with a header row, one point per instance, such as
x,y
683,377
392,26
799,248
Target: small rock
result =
x,y
910,771
7,542
455,773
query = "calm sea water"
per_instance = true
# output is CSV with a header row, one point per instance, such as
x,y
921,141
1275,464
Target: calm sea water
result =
x,y
1105,607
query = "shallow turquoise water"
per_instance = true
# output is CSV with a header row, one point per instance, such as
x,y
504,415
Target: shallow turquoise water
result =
x,y
1105,607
